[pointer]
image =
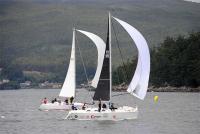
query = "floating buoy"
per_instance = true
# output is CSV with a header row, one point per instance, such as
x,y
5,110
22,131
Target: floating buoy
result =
x,y
155,98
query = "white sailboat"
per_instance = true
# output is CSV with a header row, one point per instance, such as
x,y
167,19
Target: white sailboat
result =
x,y
69,86
138,86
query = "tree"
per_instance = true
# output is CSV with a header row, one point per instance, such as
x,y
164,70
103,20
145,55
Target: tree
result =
x,y
175,63
13,73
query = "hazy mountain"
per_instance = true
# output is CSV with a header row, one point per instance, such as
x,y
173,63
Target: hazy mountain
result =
x,y
37,33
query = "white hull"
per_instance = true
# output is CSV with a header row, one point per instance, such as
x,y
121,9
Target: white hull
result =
x,y
59,106
122,113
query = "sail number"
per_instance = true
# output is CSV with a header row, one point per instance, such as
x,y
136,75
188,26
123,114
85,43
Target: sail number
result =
x,y
107,55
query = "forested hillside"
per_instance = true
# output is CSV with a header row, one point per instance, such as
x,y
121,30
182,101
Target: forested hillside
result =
x,y
35,35
175,63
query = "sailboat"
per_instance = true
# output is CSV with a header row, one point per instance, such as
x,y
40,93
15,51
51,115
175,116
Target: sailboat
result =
x,y
69,86
138,86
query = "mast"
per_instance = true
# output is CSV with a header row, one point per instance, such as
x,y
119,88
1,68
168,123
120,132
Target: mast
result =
x,y
74,39
110,55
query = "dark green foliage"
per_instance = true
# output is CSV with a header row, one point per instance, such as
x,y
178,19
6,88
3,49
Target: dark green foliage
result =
x,y
10,85
175,63
124,73
13,73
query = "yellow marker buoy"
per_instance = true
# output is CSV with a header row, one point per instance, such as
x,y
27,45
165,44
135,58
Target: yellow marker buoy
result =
x,y
155,98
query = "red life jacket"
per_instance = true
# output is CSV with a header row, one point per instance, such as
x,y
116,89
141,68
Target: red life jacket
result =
x,y
45,101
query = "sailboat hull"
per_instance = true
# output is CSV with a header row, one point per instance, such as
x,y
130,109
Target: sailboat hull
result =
x,y
122,113
59,106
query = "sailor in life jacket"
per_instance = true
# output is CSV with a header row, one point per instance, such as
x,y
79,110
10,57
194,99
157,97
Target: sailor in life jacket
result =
x,y
45,100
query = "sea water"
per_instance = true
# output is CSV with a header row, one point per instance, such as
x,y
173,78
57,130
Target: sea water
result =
x,y
173,113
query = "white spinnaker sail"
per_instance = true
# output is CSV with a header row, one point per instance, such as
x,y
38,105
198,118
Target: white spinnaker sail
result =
x,y
68,88
139,83
101,46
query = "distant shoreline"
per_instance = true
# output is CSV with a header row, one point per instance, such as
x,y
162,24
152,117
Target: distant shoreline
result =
x,y
173,89
161,89
150,89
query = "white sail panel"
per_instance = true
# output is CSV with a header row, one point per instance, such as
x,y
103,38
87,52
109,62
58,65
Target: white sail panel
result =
x,y
68,88
139,84
101,46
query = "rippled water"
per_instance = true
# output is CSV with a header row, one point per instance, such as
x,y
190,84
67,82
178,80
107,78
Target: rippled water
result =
x,y
197,1
174,113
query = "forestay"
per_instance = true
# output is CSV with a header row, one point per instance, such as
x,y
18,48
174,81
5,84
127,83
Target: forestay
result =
x,y
139,83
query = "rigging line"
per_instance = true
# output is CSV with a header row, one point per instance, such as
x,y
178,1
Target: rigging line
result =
x,y
131,46
84,67
126,74
120,94
118,76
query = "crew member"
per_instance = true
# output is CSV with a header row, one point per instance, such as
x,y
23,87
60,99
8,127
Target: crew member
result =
x,y
99,105
45,100
71,99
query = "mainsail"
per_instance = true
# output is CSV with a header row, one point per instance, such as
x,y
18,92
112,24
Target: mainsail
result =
x,y
103,90
68,88
101,46
139,83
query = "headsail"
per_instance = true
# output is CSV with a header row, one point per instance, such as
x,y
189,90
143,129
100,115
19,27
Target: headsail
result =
x,y
101,46
68,88
139,84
